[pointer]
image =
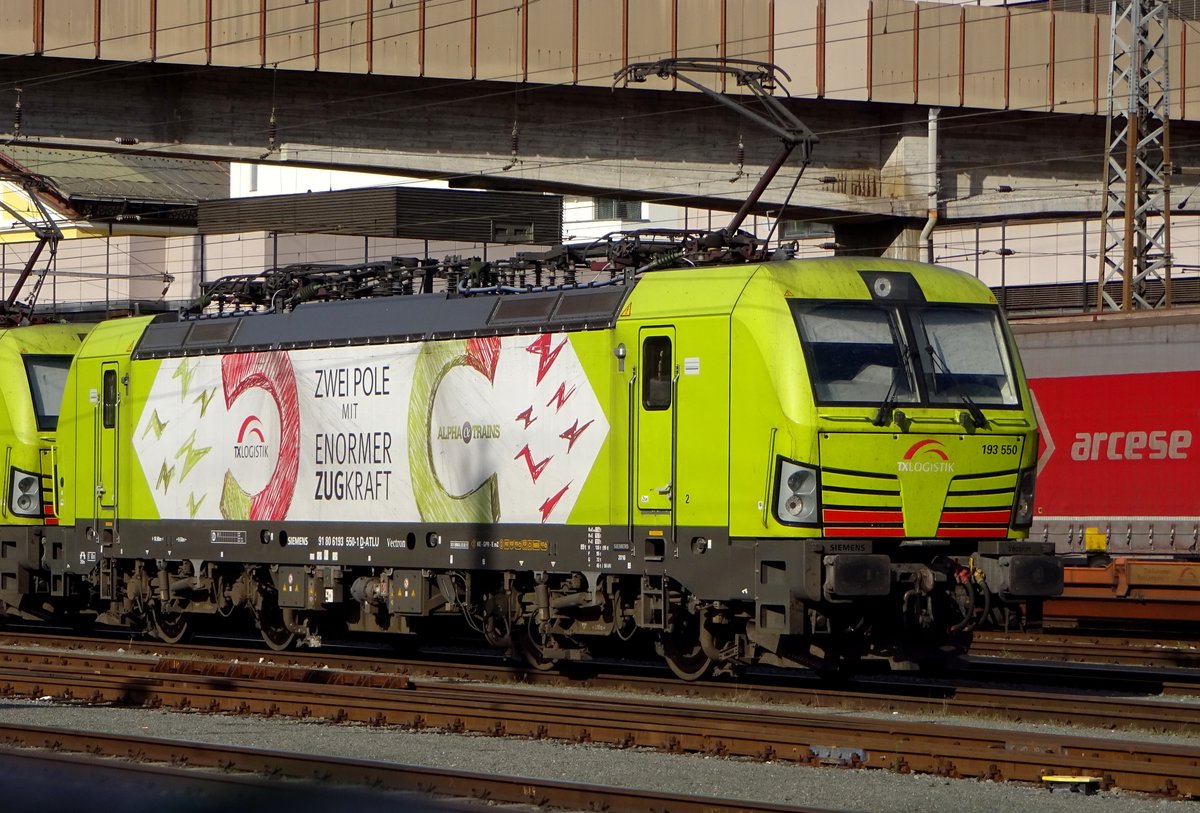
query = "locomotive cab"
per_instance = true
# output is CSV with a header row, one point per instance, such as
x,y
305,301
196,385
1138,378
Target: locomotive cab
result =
x,y
830,460
34,360
909,494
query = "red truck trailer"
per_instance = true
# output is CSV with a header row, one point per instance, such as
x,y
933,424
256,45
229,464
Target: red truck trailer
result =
x,y
1118,489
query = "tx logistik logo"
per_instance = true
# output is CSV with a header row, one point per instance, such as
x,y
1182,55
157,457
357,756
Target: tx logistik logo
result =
x,y
273,374
250,440
927,455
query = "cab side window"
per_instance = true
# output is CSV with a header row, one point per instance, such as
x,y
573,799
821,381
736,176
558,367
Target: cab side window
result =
x,y
110,399
657,373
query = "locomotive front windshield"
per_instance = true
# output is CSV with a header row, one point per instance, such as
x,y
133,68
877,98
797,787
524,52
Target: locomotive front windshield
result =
x,y
866,353
47,380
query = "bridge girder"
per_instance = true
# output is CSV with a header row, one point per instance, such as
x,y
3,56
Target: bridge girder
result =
x,y
670,146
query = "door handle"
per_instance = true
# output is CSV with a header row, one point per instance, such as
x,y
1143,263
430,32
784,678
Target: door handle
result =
x,y
664,490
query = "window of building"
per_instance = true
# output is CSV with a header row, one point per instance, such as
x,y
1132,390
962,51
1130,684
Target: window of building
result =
x,y
610,209
806,230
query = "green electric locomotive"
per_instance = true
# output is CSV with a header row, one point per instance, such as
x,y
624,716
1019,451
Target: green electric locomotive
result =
x,y
34,360
790,462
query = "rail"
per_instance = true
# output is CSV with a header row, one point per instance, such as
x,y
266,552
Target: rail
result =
x,y
645,720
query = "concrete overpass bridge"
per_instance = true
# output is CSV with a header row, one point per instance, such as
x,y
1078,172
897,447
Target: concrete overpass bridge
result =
x,y
519,94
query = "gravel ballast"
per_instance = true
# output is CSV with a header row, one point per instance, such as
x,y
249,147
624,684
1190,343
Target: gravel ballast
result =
x,y
776,783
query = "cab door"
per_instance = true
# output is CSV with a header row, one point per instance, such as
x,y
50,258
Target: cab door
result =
x,y
655,440
106,403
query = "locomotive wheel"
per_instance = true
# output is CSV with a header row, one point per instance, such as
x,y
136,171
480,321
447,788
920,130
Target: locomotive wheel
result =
x,y
682,652
533,649
170,628
274,631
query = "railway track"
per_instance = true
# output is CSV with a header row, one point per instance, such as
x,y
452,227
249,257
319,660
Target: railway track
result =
x,y
886,693
758,726
1081,647
429,789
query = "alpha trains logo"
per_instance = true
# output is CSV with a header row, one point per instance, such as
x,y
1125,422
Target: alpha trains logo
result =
x,y
927,455
476,430
469,431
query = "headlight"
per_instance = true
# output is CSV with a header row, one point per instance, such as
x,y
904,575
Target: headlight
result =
x,y
1022,514
25,497
796,501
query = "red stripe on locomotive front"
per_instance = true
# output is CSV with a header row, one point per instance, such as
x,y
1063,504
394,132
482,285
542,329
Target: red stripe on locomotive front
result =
x,y
861,515
975,517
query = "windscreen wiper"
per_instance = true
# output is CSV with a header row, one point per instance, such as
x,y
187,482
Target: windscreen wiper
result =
x,y
977,417
886,409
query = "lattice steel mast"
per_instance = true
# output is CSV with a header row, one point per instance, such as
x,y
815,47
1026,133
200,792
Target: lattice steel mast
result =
x,y
1137,161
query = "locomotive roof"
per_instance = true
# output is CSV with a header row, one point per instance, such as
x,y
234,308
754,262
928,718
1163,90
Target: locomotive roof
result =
x,y
419,317
49,338
426,317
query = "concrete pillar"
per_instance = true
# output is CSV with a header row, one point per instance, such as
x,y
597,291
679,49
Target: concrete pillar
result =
x,y
909,179
894,239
